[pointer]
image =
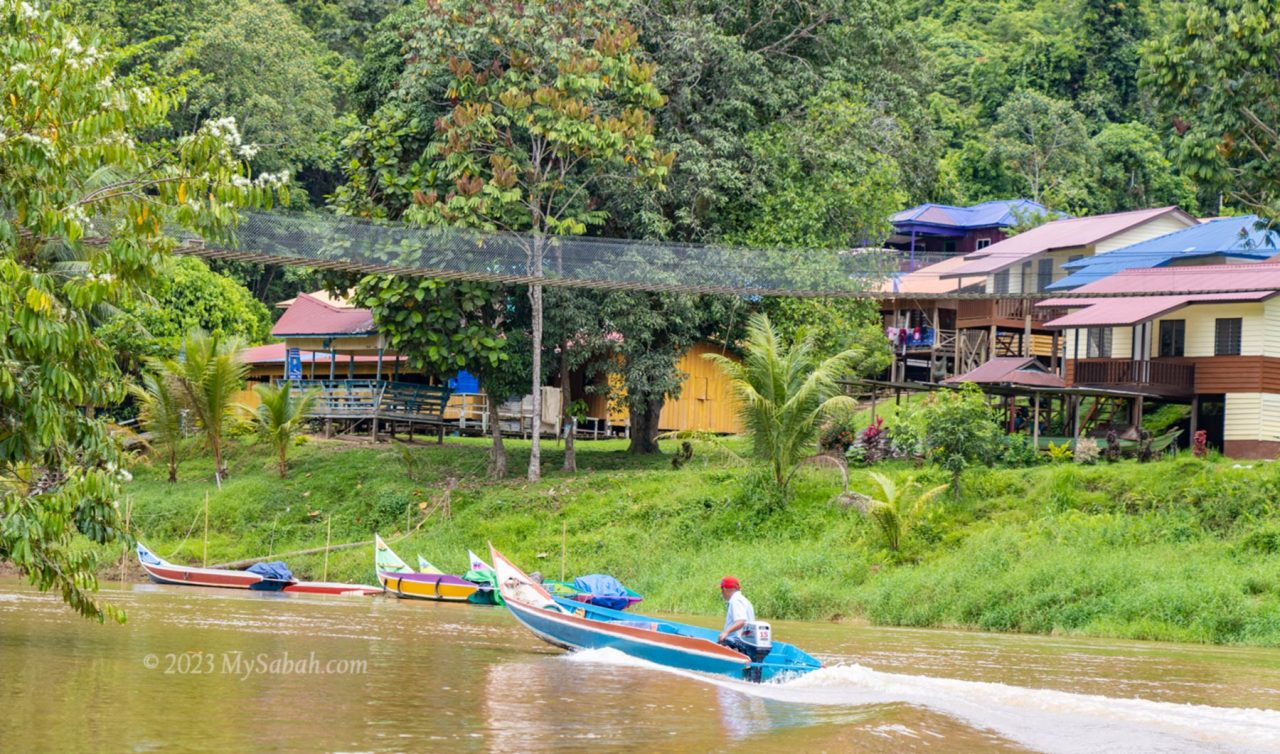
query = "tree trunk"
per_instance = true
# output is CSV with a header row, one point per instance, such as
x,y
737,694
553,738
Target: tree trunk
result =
x,y
644,426
173,463
219,470
566,397
284,451
497,453
535,450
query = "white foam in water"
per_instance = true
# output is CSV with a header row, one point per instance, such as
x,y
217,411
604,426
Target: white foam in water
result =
x,y
1043,719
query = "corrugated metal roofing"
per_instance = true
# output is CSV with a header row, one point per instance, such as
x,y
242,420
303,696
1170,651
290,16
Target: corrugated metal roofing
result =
x,y
1058,234
997,213
1012,370
929,280
1235,236
309,315
1254,276
1120,312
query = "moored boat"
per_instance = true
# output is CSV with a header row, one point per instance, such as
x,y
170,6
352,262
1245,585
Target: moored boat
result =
x,y
398,578
573,625
162,571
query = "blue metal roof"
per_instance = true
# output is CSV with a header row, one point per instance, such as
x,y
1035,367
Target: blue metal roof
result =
x,y
1233,236
997,213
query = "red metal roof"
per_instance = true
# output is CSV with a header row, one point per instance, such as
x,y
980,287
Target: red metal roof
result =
x,y
1010,370
1210,277
274,353
309,315
1059,234
1117,312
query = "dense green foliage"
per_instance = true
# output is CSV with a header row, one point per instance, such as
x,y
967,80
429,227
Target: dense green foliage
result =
x,y
1182,550
185,295
1215,76
87,205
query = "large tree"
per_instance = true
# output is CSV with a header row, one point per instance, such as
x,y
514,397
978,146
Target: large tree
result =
x,y
544,100
1044,141
1213,73
87,208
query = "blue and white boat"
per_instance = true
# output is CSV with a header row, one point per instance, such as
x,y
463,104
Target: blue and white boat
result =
x,y
575,625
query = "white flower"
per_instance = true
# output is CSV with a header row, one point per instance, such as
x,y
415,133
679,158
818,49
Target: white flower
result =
x,y
26,12
247,151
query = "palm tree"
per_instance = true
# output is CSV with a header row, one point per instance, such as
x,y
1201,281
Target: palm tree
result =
x,y
279,417
897,508
783,392
209,372
161,415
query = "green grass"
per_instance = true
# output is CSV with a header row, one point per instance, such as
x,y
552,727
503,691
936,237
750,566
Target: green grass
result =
x,y
1184,549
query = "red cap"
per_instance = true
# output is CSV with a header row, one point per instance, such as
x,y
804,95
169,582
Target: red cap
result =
x,y
729,582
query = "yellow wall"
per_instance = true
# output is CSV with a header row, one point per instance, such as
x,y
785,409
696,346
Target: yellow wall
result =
x,y
1200,327
1252,416
1168,223
706,402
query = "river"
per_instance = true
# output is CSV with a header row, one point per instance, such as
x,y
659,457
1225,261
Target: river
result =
x,y
204,670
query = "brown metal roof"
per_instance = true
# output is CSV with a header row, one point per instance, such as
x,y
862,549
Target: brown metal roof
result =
x,y
1059,234
1010,370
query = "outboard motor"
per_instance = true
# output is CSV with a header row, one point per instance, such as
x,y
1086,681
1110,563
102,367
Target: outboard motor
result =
x,y
756,639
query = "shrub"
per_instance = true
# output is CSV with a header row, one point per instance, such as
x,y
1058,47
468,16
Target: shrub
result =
x,y
956,429
1019,451
1086,451
1059,453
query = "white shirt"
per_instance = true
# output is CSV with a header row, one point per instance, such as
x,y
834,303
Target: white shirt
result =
x,y
738,608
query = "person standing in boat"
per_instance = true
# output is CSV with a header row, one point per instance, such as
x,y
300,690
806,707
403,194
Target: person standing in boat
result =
x,y
738,612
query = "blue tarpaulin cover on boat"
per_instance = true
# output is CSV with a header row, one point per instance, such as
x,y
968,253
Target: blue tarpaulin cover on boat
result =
x,y
605,591
279,574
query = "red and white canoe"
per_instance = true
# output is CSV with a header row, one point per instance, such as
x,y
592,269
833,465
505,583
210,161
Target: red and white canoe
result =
x,y
162,571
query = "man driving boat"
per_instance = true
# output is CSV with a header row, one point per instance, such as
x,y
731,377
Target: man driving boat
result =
x,y
738,612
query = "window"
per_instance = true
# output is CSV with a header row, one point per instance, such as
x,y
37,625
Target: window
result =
x,y
1074,258
1044,275
1099,343
1002,281
1173,337
983,243
948,247
1226,336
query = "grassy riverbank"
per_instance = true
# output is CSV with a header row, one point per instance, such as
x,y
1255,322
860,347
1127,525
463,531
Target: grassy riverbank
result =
x,y
1182,550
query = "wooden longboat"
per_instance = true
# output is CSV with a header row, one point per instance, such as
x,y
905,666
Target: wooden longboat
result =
x,y
399,579
573,625
162,571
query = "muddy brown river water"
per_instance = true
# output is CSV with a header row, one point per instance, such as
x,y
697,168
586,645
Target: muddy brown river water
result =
x,y
204,670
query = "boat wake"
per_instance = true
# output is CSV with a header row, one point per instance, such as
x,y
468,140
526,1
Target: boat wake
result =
x,y
1042,719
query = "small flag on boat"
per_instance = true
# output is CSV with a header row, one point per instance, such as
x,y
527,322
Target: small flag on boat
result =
x,y
424,566
477,564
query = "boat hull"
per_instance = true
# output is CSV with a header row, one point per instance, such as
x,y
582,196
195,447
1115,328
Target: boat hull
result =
x,y
574,625
428,586
570,631
181,576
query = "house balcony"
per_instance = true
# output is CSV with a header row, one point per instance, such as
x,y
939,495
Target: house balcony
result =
x,y
1164,378
1002,312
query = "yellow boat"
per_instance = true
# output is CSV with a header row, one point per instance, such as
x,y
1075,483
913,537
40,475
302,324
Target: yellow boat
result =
x,y
398,578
